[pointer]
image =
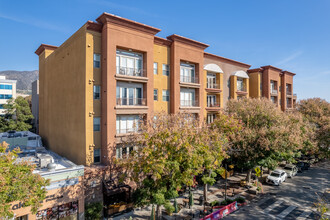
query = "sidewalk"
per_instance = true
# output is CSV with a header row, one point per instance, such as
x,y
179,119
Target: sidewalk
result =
x,y
215,192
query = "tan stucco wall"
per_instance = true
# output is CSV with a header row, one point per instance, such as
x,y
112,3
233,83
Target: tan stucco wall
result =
x,y
93,77
254,85
228,68
63,88
161,56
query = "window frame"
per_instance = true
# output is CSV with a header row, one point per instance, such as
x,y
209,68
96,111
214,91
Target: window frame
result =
x,y
156,95
94,124
156,69
95,92
99,150
95,60
166,69
166,97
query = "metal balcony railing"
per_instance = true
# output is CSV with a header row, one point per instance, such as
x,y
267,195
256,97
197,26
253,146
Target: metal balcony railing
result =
x,y
213,104
131,101
127,130
241,89
189,79
212,86
288,92
273,91
289,105
188,103
126,71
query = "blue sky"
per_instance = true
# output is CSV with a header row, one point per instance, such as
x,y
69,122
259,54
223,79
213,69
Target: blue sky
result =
x,y
290,34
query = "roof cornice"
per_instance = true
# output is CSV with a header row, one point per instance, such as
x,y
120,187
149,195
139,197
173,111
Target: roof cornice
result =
x,y
255,70
110,18
184,40
93,26
272,67
43,47
288,73
210,55
162,41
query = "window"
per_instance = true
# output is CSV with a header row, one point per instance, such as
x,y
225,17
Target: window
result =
x,y
166,70
129,94
212,101
5,96
187,97
2,86
155,68
156,94
129,63
211,81
97,60
97,92
187,73
1,106
210,118
123,151
166,95
97,155
97,123
240,85
127,124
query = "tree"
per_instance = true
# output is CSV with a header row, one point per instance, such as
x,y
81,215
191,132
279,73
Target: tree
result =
x,y
166,159
216,144
317,112
267,135
18,114
19,183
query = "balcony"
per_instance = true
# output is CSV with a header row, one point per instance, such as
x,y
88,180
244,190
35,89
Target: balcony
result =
x,y
273,92
241,90
213,88
127,130
289,105
190,81
131,101
288,93
189,103
131,74
213,105
294,95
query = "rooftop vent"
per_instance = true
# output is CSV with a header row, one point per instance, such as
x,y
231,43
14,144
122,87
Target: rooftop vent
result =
x,y
51,166
44,160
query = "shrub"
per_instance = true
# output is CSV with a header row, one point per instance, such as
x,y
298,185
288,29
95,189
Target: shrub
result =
x,y
94,211
240,200
226,202
169,208
215,203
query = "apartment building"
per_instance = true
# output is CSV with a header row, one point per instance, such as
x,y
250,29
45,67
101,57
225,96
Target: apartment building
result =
x,y
97,85
274,84
7,91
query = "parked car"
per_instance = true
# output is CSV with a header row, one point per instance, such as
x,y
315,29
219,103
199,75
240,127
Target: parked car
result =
x,y
301,165
291,170
276,177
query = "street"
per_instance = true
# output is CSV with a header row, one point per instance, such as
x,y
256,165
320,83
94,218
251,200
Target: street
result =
x,y
292,200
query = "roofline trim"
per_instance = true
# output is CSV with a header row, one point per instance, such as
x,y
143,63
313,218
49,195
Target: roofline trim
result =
x,y
43,47
226,59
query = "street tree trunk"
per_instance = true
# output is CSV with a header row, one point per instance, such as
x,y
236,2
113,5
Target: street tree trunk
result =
x,y
205,193
158,212
248,176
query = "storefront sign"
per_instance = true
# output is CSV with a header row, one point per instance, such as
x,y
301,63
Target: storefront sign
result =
x,y
47,199
222,212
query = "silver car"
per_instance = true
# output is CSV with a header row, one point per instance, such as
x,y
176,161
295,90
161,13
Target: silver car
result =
x,y
291,170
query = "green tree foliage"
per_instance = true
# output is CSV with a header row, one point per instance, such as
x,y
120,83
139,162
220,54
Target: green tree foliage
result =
x,y
18,115
168,158
317,112
18,183
94,211
268,135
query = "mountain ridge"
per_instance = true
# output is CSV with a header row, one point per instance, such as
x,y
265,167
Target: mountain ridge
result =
x,y
24,78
